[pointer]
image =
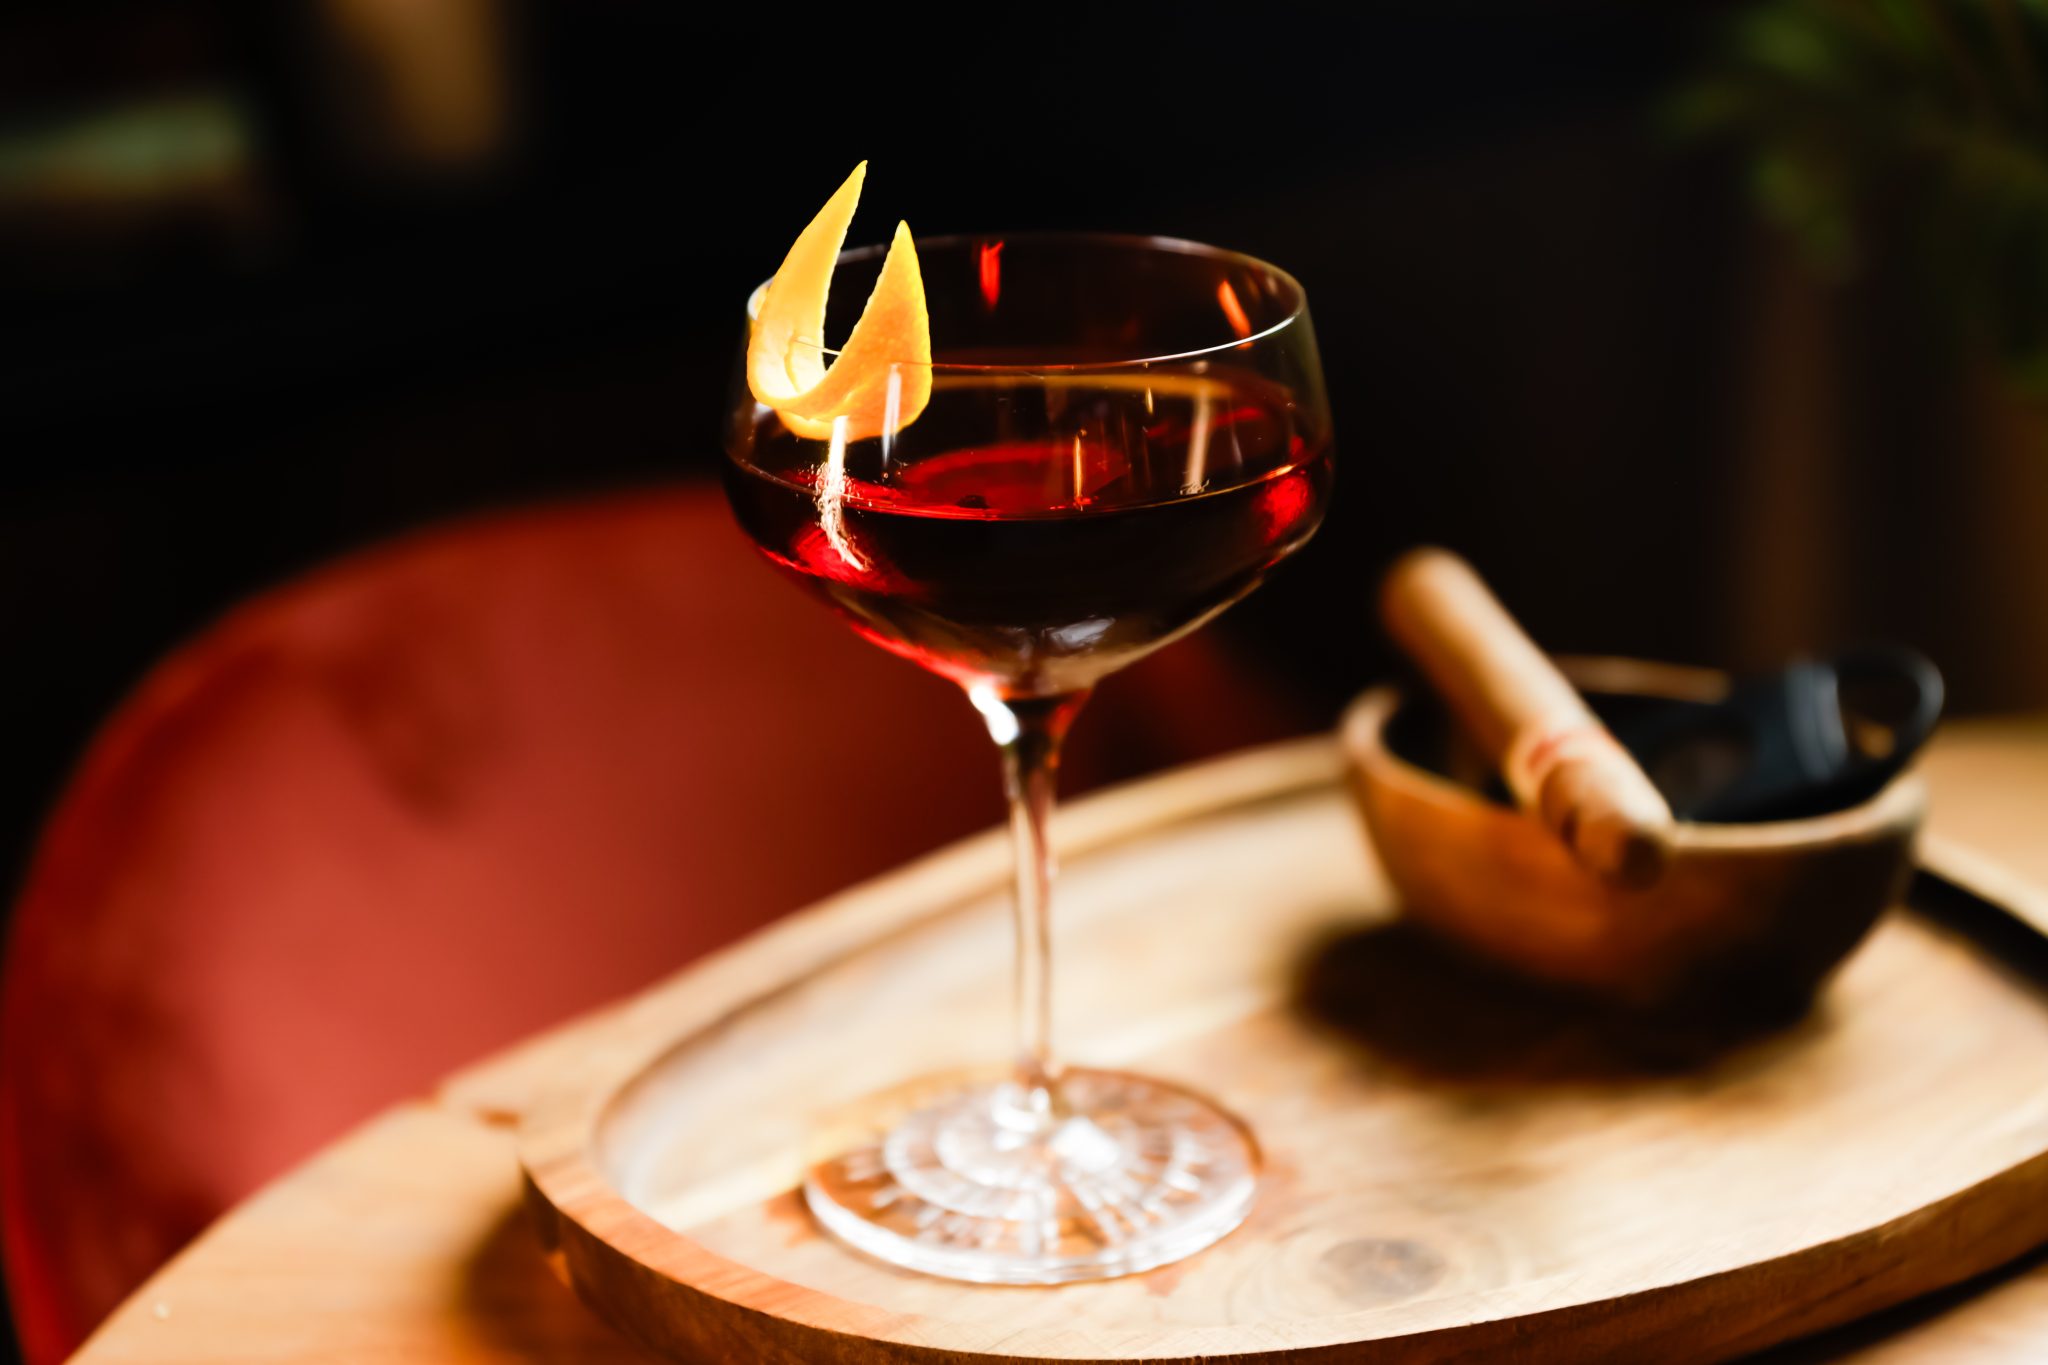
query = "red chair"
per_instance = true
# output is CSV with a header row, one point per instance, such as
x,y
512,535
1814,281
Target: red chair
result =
x,y
434,798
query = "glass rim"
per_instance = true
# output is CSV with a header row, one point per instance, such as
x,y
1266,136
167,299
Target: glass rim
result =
x,y
1177,245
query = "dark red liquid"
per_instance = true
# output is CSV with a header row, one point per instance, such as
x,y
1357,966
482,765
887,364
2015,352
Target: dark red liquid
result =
x,y
1040,565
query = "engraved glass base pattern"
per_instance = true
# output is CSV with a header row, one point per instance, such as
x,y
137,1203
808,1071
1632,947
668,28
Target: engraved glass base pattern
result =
x,y
988,1184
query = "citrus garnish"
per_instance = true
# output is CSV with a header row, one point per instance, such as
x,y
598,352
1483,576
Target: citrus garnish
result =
x,y
881,379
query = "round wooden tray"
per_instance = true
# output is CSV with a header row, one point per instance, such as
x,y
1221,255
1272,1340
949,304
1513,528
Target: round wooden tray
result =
x,y
1456,1165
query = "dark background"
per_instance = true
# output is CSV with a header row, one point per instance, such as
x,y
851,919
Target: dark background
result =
x,y
404,263
1520,290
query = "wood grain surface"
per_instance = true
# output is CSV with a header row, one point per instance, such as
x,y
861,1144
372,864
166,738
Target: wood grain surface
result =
x,y
1454,1161
404,1241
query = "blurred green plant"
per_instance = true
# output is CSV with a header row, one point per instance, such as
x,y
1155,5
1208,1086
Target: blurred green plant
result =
x,y
1928,119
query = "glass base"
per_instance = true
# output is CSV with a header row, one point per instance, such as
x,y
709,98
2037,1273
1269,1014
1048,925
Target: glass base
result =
x,y
990,1184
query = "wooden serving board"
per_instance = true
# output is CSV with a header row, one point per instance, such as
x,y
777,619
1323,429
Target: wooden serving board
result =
x,y
1458,1167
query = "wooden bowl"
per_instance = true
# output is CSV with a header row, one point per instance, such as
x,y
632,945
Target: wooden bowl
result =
x,y
1755,912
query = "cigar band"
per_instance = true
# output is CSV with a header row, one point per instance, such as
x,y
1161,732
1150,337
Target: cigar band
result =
x,y
1532,755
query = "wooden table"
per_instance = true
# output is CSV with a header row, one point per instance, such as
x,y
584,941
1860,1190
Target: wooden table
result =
x,y
406,1240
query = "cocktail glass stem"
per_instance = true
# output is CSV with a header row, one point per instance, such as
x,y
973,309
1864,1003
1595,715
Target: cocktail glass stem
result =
x,y
1054,1173
1029,732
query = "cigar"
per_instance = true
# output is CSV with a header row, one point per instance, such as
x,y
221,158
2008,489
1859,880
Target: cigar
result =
x,y
1561,764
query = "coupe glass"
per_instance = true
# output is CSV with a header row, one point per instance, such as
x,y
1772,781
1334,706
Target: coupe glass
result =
x,y
1124,436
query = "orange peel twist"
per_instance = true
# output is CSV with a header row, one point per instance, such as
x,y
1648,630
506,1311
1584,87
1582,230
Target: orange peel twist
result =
x,y
881,379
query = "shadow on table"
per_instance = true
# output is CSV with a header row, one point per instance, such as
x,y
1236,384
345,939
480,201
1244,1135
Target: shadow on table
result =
x,y
514,1304
1898,1325
1403,999
1408,1000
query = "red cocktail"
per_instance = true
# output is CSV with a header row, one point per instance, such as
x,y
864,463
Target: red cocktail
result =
x,y
1040,565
